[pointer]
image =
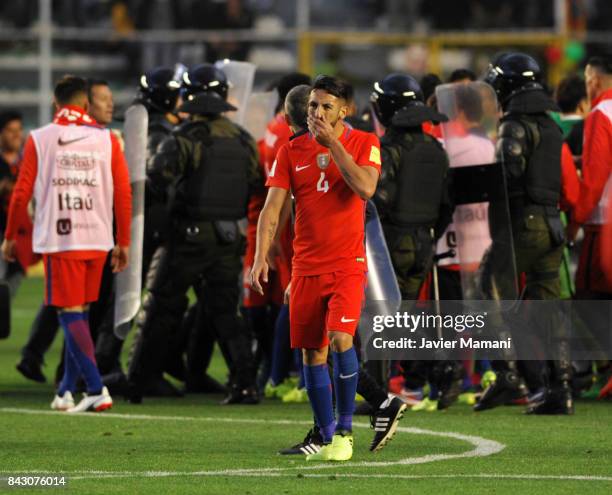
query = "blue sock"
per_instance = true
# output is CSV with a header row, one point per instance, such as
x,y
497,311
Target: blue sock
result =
x,y
318,386
80,346
346,375
71,373
281,353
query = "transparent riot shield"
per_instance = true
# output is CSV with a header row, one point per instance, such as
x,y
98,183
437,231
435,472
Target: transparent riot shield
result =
x,y
260,111
481,221
128,284
240,76
383,295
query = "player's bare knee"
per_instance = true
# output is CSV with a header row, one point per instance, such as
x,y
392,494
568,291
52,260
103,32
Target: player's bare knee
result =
x,y
314,357
340,341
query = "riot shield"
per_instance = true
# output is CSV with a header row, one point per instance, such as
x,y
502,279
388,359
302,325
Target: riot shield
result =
x,y
481,221
383,295
128,284
260,111
240,76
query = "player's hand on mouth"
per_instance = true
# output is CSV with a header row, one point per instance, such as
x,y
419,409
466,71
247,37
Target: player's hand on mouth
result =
x,y
322,131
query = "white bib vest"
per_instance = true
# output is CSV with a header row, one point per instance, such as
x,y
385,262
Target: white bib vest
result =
x,y
73,189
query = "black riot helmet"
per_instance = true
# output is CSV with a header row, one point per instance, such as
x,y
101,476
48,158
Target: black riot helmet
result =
x,y
394,92
512,73
204,78
159,90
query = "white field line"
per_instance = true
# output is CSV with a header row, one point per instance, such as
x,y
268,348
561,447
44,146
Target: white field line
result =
x,y
481,446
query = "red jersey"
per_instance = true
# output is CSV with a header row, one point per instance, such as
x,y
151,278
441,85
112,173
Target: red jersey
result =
x,y
277,135
256,201
330,216
596,165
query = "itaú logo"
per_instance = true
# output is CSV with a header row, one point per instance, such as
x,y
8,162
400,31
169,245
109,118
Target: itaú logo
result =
x,y
77,160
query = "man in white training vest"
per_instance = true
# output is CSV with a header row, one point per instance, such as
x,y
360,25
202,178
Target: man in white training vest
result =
x,y
76,172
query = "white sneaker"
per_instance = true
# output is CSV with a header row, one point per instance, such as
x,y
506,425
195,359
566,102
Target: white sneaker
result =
x,y
94,403
63,403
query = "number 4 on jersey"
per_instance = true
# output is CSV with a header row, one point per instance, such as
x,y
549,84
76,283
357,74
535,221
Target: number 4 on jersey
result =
x,y
322,185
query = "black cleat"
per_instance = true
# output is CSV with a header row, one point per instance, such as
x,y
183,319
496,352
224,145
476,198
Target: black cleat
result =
x,y
554,401
31,370
237,395
451,385
312,443
507,387
385,420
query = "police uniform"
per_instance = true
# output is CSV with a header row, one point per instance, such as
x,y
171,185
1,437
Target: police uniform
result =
x,y
212,166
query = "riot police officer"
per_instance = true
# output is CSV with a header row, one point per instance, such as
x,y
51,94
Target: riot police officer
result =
x,y
159,92
210,165
529,145
412,199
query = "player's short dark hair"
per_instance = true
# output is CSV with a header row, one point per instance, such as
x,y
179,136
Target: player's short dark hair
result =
x,y
9,116
462,74
296,105
469,101
91,82
428,85
570,92
334,86
69,87
602,64
287,83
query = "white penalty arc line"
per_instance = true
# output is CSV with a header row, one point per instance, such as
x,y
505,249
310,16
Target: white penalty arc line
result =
x,y
482,447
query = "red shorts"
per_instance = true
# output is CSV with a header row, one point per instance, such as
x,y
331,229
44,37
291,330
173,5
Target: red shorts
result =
x,y
72,282
322,303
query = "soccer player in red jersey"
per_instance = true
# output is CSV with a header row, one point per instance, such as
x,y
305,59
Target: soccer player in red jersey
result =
x,y
77,173
331,171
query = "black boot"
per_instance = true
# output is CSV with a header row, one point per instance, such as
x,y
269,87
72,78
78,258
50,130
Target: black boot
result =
x,y
556,400
507,387
241,395
558,397
451,384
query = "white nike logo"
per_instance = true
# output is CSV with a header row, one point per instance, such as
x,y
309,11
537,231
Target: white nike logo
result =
x,y
346,320
344,377
297,169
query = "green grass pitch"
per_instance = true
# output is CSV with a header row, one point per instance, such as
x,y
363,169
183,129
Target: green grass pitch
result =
x,y
193,445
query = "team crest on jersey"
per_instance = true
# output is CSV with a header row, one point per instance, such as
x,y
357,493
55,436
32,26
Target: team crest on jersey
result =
x,y
323,161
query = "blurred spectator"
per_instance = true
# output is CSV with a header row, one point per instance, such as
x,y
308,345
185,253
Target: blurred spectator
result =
x,y
11,142
428,86
462,75
571,97
100,101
